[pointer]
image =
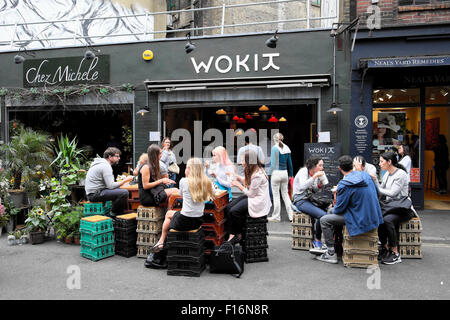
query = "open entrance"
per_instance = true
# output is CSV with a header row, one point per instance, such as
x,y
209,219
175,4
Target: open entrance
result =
x,y
295,120
94,129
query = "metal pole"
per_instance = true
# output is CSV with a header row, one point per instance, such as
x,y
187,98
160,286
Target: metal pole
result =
x,y
223,17
308,4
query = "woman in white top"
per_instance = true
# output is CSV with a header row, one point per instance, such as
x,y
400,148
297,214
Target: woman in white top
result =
x,y
195,189
311,178
394,187
255,202
405,159
223,170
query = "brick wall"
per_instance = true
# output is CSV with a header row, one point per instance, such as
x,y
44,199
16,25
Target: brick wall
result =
x,y
393,14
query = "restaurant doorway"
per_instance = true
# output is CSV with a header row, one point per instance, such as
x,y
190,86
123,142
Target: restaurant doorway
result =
x,y
297,122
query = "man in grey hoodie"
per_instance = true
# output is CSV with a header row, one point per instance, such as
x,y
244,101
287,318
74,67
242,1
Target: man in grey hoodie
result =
x,y
100,185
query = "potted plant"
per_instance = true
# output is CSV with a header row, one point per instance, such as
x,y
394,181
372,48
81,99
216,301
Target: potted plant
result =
x,y
25,150
4,217
11,239
67,225
68,155
9,216
37,224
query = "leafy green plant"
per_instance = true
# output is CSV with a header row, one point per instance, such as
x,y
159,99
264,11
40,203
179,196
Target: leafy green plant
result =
x,y
67,153
127,138
26,150
68,224
56,201
37,220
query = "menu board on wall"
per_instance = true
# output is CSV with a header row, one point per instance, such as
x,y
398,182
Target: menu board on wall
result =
x,y
329,153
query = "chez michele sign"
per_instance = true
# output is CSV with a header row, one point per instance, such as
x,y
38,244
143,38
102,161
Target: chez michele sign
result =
x,y
65,71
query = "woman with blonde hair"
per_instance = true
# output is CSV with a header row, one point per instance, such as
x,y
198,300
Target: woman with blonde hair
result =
x,y
195,189
223,170
280,171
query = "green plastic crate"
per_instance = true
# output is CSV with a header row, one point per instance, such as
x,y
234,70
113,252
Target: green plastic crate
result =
x,y
96,208
96,228
97,240
98,253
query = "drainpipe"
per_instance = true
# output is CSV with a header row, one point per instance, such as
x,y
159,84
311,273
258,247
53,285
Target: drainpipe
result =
x,y
192,18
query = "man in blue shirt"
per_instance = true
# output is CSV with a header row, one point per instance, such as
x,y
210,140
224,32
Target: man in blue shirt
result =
x,y
357,207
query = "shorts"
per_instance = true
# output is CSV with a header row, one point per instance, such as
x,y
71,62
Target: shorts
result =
x,y
180,222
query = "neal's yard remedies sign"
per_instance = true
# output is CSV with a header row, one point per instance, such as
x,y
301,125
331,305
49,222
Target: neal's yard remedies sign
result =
x,y
329,153
65,71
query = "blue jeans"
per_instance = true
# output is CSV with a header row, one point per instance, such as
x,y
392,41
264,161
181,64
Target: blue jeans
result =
x,y
307,207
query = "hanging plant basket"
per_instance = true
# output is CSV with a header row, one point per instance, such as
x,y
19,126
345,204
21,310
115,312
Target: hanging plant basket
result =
x,y
37,237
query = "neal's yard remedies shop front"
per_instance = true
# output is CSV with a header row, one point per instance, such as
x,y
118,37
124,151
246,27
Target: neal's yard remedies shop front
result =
x,y
228,83
400,95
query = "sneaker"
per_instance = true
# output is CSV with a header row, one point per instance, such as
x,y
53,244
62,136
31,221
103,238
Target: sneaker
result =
x,y
442,191
326,257
383,253
273,219
318,248
392,258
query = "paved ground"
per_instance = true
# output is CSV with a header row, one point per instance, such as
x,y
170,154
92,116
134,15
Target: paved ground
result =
x,y
40,272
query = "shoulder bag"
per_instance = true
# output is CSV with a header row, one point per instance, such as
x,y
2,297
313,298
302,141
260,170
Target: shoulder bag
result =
x,y
173,167
227,259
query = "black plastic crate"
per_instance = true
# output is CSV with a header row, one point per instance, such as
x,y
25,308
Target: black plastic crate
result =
x,y
257,242
125,224
185,268
256,255
191,259
259,229
126,243
124,237
126,252
186,236
186,251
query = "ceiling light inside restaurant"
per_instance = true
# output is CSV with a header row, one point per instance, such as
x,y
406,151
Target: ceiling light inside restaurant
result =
x,y
221,111
263,108
443,92
389,95
282,119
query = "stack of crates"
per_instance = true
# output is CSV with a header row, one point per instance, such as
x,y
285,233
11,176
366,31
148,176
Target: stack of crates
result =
x,y
148,228
96,208
302,231
410,243
255,240
214,221
360,251
186,252
97,237
126,236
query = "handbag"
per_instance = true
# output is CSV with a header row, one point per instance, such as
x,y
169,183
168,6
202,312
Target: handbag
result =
x,y
319,199
158,193
400,207
173,167
227,259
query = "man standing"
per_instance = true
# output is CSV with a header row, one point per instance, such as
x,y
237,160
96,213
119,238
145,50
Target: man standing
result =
x,y
357,207
100,185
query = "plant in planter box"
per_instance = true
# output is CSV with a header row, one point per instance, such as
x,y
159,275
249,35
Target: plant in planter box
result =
x,y
67,155
36,223
67,225
26,150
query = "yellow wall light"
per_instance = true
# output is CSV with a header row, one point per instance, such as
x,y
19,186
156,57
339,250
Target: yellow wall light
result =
x,y
147,55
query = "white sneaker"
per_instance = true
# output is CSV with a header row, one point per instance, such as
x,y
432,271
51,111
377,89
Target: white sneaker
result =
x,y
273,219
325,257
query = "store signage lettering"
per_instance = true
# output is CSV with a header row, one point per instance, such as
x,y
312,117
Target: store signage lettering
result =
x,y
409,62
426,79
66,71
224,63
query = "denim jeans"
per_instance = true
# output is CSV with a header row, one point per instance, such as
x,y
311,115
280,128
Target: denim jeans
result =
x,y
119,198
307,207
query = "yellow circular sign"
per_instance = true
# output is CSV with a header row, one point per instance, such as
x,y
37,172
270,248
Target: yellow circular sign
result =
x,y
147,55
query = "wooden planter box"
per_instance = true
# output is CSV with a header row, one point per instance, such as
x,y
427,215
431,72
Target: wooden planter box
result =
x,y
37,237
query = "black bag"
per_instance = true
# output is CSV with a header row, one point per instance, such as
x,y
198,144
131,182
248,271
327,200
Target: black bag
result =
x,y
227,259
319,199
401,207
158,193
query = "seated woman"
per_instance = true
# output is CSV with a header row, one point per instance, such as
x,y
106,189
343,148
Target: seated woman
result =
x,y
223,170
195,189
256,199
151,183
394,187
311,178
